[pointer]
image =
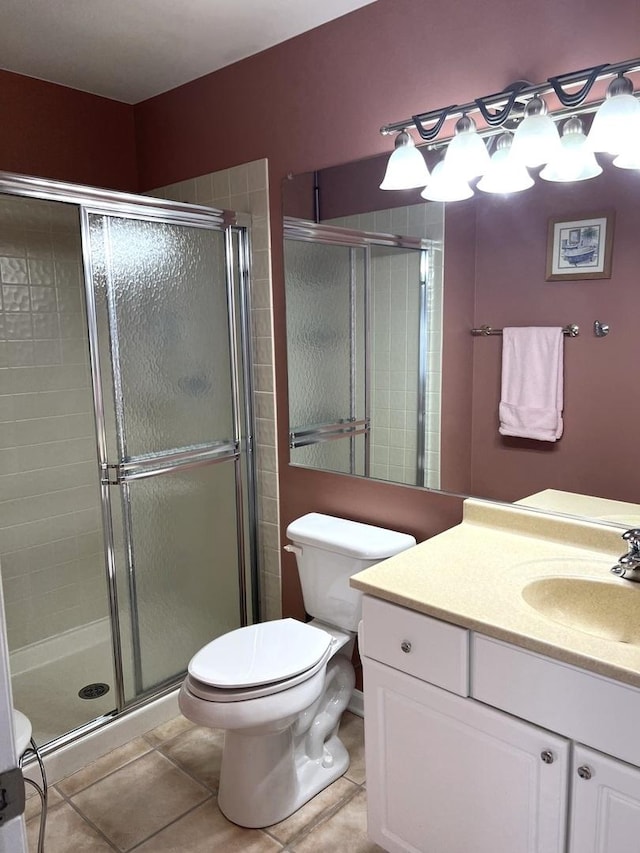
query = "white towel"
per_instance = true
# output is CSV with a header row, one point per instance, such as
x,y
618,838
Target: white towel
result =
x,y
532,382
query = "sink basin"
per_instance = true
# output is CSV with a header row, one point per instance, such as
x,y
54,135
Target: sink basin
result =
x,y
607,610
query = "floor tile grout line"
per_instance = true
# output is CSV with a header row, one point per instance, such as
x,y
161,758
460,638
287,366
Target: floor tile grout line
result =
x,y
189,773
106,776
212,797
163,828
69,798
160,743
324,816
96,829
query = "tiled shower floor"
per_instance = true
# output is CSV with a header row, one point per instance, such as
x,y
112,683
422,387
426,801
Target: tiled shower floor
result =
x,y
157,794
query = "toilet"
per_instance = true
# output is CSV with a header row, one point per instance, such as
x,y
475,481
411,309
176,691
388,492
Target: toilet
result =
x,y
279,688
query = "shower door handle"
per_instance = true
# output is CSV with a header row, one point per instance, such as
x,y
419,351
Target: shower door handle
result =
x,y
139,469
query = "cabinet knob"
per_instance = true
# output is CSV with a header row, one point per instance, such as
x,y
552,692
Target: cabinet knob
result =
x,y
547,756
405,646
585,772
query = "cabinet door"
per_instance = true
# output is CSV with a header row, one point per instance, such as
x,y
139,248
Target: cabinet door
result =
x,y
606,804
449,775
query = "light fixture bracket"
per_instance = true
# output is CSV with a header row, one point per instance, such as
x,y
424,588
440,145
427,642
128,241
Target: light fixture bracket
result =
x,y
437,116
572,99
488,102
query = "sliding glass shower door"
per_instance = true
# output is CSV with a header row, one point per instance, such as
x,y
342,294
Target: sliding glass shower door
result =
x,y
167,358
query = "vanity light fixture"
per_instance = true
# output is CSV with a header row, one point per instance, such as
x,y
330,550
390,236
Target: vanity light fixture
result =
x,y
616,124
629,159
446,184
407,168
574,160
536,139
531,111
506,173
467,153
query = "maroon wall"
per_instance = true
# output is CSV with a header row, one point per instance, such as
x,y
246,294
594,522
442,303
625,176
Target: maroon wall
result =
x,y
601,411
55,132
457,347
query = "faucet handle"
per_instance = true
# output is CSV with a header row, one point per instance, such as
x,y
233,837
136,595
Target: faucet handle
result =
x,y
633,538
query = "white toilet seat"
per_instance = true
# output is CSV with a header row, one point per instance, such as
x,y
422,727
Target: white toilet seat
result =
x,y
259,660
220,694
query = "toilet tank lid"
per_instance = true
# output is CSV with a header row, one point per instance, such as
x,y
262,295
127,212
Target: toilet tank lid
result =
x,y
352,538
260,654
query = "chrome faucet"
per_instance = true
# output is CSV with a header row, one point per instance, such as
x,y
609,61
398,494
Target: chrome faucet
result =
x,y
628,566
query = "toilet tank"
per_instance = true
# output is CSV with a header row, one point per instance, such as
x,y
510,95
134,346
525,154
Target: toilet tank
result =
x,y
328,551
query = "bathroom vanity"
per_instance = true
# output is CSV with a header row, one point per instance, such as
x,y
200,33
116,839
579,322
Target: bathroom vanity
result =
x,y
502,694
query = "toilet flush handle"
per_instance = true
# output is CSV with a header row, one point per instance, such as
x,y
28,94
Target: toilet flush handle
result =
x,y
293,549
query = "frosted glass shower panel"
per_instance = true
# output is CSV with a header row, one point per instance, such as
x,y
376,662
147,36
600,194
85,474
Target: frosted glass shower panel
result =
x,y
185,551
325,326
168,301
343,457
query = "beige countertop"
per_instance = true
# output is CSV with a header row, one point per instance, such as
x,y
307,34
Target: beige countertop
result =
x,y
587,506
473,575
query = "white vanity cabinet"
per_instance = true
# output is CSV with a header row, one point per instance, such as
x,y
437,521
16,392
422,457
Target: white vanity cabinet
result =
x,y
605,809
447,773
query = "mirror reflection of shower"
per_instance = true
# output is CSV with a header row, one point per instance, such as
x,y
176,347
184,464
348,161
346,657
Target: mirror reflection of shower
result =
x,y
364,314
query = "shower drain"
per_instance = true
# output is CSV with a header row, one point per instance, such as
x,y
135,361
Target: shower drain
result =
x,y
93,691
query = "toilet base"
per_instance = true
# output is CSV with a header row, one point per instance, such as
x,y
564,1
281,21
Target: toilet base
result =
x,y
265,777
280,795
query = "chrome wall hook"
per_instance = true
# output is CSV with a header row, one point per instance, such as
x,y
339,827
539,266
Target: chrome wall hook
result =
x,y
600,330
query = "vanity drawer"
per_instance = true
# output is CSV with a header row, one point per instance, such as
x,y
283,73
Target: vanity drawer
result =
x,y
581,705
427,648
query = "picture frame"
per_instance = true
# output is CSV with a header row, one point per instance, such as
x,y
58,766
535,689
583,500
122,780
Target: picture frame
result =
x,y
580,248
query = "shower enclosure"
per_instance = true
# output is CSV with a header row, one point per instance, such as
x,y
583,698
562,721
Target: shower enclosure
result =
x,y
126,484
359,309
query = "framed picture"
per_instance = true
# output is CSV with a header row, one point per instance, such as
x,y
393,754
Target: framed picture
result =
x,y
580,248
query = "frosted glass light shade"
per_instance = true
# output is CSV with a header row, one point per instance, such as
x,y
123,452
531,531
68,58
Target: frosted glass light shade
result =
x,y
406,168
536,140
616,124
505,174
467,154
629,159
446,185
575,161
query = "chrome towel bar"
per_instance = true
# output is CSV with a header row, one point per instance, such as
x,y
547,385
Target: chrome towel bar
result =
x,y
571,331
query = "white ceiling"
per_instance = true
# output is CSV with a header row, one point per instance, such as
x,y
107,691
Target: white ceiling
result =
x,y
129,50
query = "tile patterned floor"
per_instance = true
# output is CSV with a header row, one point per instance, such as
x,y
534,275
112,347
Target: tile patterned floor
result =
x,y
157,794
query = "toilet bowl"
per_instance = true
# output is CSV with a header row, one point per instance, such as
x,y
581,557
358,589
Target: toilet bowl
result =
x,y
279,688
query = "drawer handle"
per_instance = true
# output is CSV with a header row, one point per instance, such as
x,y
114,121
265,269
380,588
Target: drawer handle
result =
x,y
405,646
585,772
547,756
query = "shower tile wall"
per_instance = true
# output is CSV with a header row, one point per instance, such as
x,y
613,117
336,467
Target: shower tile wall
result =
x,y
245,190
50,527
394,279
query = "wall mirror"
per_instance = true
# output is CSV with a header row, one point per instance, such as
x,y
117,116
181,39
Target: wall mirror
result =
x,y
386,378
